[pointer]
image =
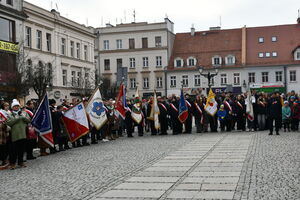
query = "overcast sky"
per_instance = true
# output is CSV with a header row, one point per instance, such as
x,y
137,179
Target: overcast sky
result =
x,y
202,13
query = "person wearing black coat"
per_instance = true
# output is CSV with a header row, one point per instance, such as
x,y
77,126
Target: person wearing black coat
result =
x,y
188,121
163,112
274,111
173,111
261,109
240,113
129,120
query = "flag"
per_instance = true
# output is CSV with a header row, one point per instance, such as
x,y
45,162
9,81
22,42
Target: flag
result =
x,y
42,121
183,109
76,122
211,106
249,108
96,110
136,112
121,102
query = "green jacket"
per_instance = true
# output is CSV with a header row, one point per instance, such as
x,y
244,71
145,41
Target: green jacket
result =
x,y
18,124
286,112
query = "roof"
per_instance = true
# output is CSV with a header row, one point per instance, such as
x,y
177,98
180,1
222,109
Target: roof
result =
x,y
206,44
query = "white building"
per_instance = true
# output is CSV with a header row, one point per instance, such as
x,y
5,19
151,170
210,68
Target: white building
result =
x,y
143,48
64,45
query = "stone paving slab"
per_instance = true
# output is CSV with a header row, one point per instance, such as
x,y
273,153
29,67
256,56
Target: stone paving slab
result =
x,y
144,186
214,195
167,169
221,173
211,180
160,174
188,186
218,169
133,193
216,187
153,179
174,164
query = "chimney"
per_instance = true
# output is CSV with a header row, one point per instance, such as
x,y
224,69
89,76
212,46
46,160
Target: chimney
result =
x,y
192,30
244,45
298,20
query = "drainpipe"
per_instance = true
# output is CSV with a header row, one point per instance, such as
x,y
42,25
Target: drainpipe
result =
x,y
285,77
165,74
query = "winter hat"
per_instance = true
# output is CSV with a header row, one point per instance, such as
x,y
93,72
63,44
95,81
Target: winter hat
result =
x,y
15,102
286,102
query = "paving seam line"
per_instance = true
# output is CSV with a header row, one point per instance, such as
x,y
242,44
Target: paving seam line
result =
x,y
127,175
166,193
245,169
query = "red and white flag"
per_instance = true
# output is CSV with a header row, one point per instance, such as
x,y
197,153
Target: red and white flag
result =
x,y
121,102
76,122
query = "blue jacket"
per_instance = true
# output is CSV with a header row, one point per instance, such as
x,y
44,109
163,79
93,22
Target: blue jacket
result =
x,y
222,114
286,112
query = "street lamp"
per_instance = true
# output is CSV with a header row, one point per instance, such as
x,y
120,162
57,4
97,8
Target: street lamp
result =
x,y
208,75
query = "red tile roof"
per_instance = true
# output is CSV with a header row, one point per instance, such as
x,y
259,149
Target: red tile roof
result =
x,y
206,44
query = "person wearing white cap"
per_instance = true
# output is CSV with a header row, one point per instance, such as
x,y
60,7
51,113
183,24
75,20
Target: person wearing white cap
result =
x,y
18,121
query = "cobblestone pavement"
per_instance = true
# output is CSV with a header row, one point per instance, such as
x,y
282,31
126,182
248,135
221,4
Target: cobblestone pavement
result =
x,y
236,165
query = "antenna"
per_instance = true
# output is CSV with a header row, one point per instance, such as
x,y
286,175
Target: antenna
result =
x,y
220,21
166,15
134,14
87,21
56,6
298,13
125,16
101,20
51,5
116,21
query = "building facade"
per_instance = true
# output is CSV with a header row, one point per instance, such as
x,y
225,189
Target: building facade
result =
x,y
64,46
11,33
263,58
140,50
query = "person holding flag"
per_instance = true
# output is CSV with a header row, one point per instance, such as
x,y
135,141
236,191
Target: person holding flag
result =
x,y
198,113
163,112
188,121
4,132
250,111
154,113
211,108
137,114
176,124
183,109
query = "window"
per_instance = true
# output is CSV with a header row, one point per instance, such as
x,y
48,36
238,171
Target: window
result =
x,y
251,77
178,62
145,62
159,82
274,54
79,79
132,83
278,76
78,50
197,80
191,61
223,79
39,39
216,60
132,62
63,46
64,77
158,61
145,83
72,48
73,73
260,39
236,78
185,81
119,63
268,54
85,49
119,44
230,60
158,41
297,54
212,81
48,40
131,43
7,30
173,81
293,77
86,78
144,43
106,64
265,77
274,39
260,55
106,44
9,2
28,36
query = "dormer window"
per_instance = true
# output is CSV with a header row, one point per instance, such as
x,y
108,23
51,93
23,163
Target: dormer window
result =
x,y
217,60
191,61
297,54
230,60
178,62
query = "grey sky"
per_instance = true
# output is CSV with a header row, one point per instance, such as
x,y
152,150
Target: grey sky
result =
x,y
202,13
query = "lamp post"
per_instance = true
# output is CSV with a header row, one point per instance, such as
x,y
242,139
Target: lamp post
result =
x,y
208,75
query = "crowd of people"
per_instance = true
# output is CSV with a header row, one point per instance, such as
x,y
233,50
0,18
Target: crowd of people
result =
x,y
18,138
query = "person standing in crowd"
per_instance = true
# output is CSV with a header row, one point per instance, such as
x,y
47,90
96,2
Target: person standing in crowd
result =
x,y
18,121
31,142
198,113
129,120
241,113
261,106
222,115
4,133
274,113
228,107
295,116
176,124
188,121
58,128
286,116
163,120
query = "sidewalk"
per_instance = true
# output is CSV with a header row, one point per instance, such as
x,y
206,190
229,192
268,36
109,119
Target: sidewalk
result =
x,y
209,167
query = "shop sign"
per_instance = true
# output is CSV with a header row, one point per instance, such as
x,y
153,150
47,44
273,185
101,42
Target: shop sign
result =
x,y
10,47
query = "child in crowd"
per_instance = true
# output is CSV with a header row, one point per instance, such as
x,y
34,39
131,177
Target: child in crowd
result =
x,y
286,116
222,117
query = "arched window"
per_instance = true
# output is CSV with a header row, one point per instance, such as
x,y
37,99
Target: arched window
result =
x,y
230,60
178,62
191,61
297,54
216,60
